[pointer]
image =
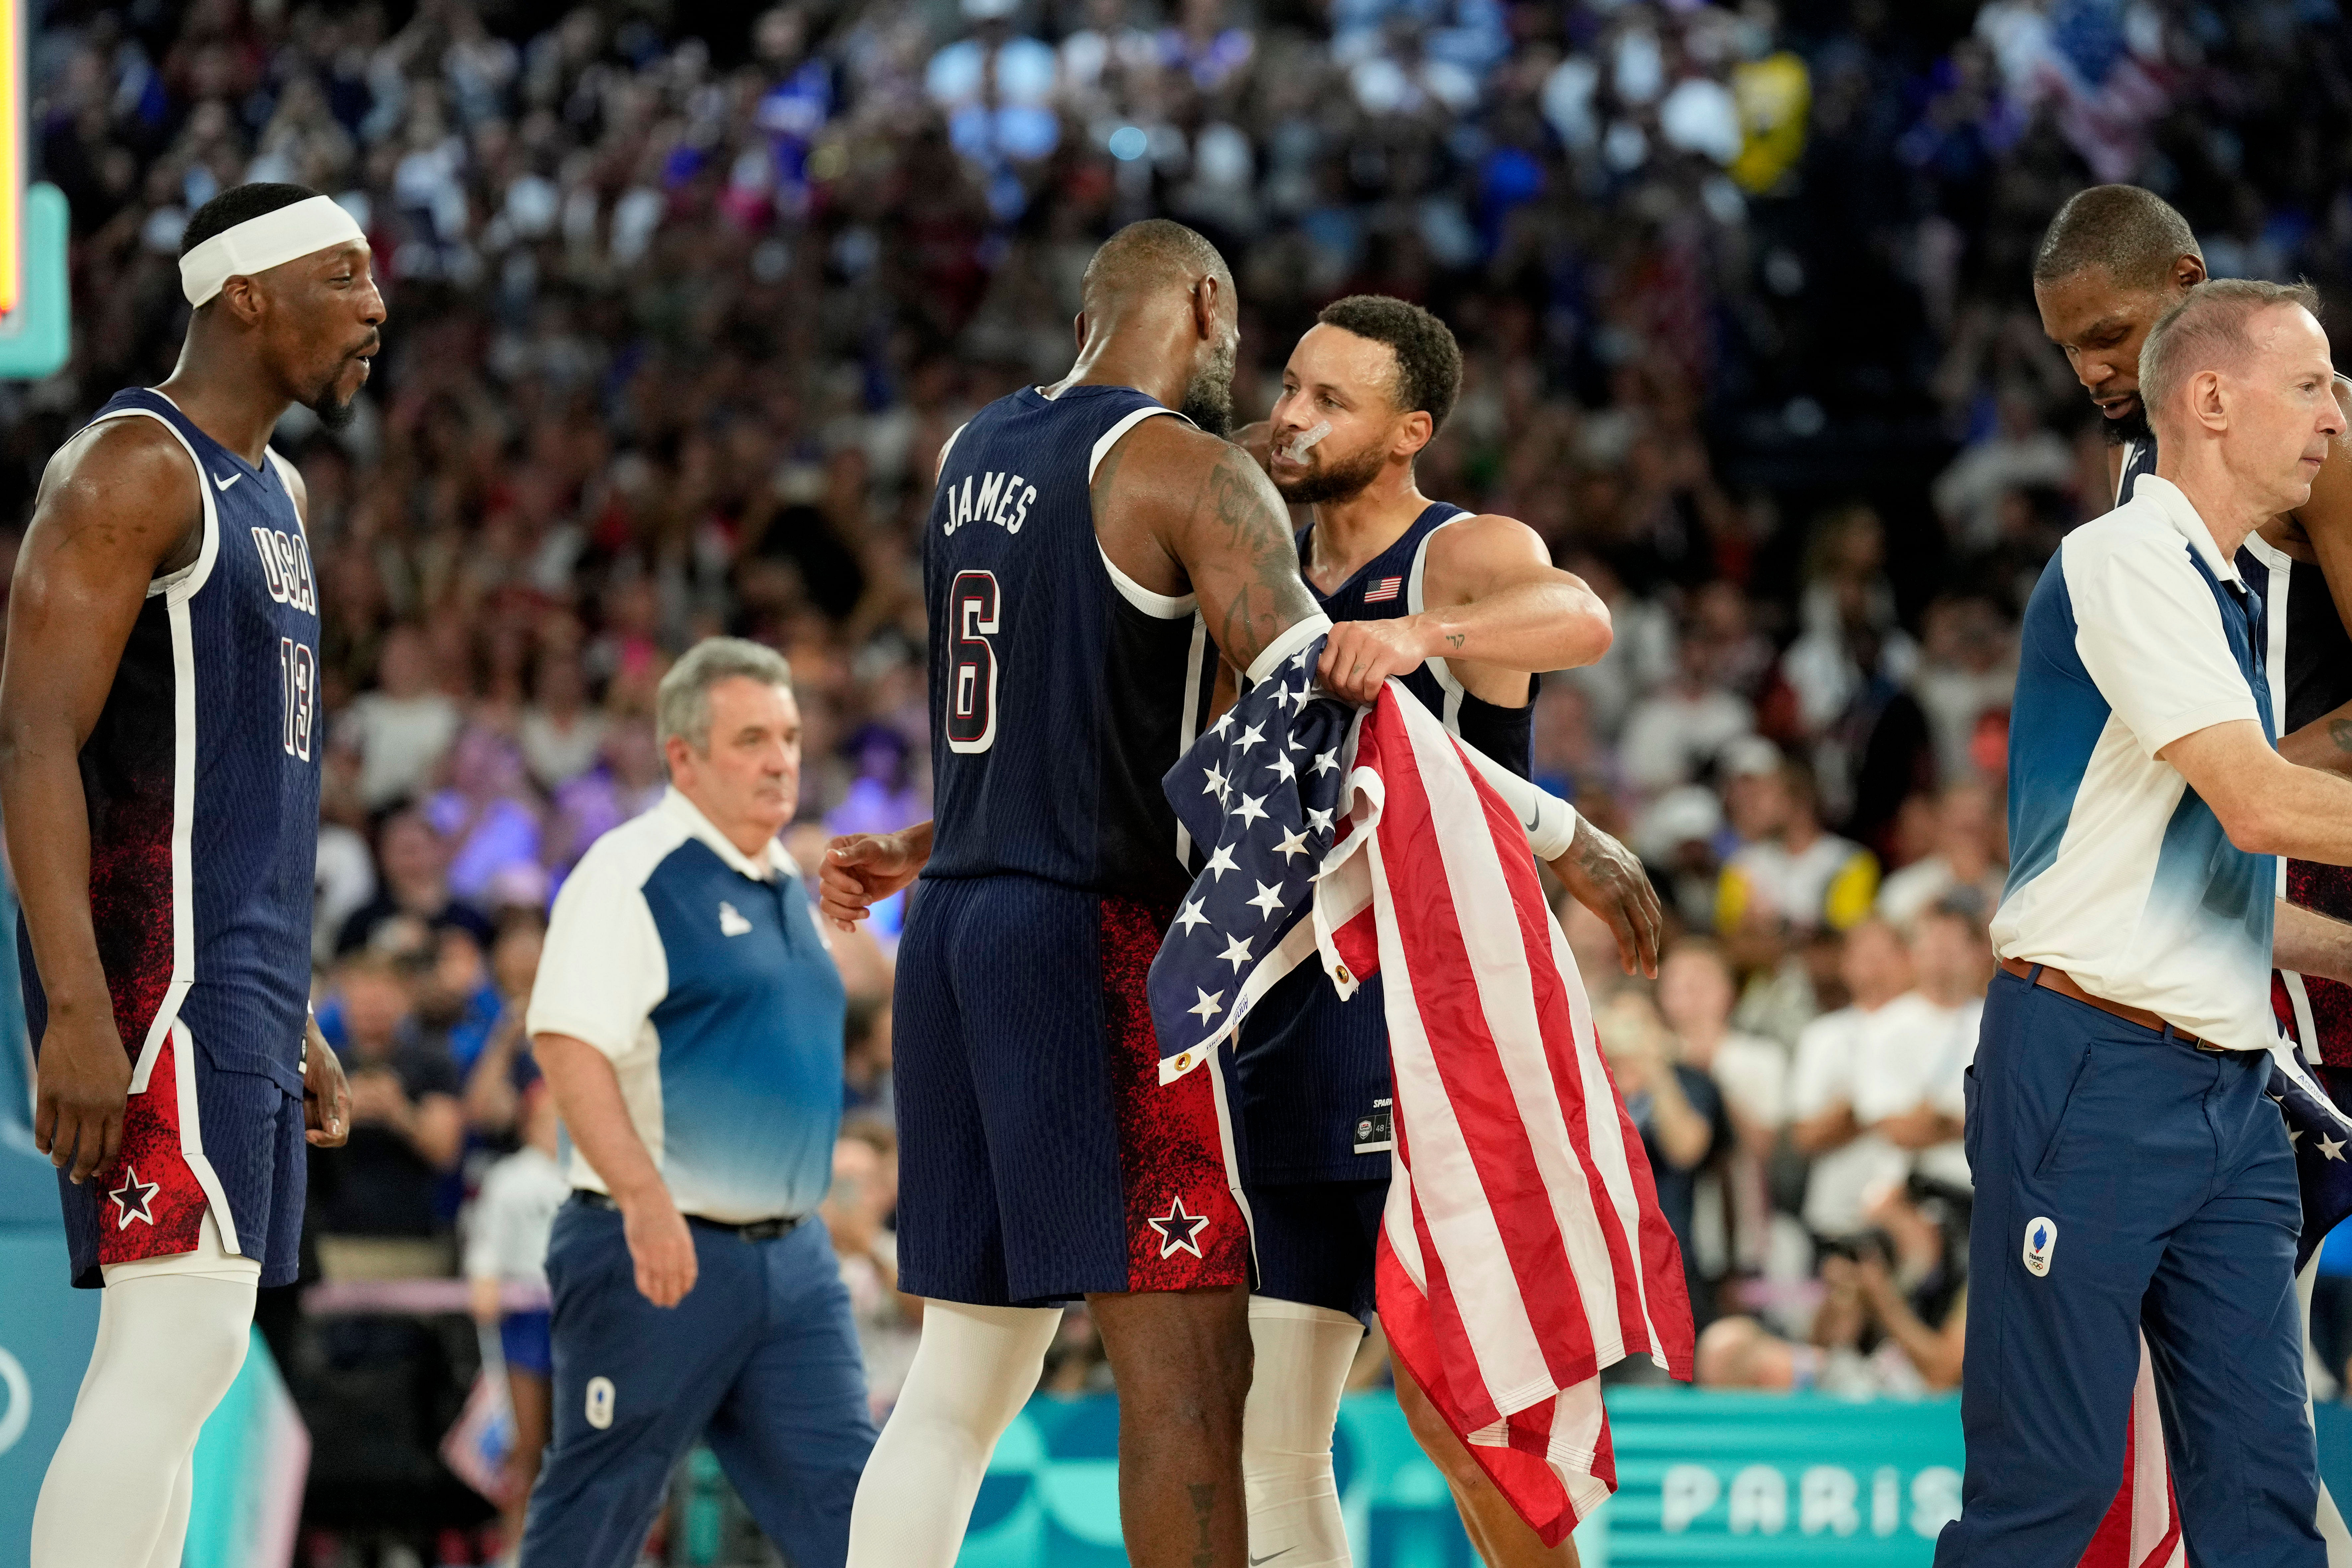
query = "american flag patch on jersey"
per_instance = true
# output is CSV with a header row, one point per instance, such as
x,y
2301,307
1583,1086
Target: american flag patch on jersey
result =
x,y
1382,588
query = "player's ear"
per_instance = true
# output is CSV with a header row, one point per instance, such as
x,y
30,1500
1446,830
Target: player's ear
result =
x,y
2188,271
240,298
1415,431
1206,296
1078,325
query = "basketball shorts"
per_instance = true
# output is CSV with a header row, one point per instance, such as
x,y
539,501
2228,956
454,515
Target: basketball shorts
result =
x,y
1316,1242
195,1136
1042,1160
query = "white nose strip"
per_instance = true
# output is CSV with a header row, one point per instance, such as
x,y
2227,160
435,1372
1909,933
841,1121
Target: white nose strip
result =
x,y
1304,442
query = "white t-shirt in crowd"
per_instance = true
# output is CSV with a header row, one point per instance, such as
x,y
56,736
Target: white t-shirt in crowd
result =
x,y
1841,1179
399,739
1916,1053
507,1228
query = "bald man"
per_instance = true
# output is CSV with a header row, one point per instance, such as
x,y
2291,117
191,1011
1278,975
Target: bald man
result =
x,y
1093,549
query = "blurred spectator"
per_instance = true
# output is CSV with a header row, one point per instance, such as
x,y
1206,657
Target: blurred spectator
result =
x,y
2019,452
1849,1165
1909,1078
560,736
1696,995
1786,863
857,1213
882,797
1967,674
484,815
1969,856
503,1069
1677,1110
414,898
376,1194
403,726
1683,727
506,1244
626,781
865,1066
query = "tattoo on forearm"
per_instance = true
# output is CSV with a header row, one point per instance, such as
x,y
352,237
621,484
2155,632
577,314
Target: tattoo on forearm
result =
x,y
1457,639
2341,732
1204,1502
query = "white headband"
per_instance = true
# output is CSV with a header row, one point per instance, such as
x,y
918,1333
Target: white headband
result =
x,y
258,244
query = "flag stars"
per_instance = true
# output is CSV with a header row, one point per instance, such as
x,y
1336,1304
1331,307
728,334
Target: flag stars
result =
x,y
1209,1005
1221,861
1318,821
1224,722
2331,1147
1237,953
1252,809
1269,900
1191,915
1216,784
1282,768
1250,737
1327,762
1293,843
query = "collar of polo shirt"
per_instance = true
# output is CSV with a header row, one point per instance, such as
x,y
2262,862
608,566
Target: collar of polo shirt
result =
x,y
772,859
2179,511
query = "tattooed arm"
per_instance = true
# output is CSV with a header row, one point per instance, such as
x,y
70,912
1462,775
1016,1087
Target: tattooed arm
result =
x,y
1178,511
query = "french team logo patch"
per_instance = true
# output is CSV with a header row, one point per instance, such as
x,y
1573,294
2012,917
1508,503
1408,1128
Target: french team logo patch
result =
x,y
2041,1241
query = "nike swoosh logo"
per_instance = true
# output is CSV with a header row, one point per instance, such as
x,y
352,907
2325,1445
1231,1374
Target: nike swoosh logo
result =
x,y
1535,819
222,484
1271,1555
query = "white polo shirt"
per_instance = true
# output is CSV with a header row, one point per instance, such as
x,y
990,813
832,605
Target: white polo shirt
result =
x,y
2137,634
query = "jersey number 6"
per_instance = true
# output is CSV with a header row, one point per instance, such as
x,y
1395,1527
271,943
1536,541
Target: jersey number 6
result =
x,y
973,611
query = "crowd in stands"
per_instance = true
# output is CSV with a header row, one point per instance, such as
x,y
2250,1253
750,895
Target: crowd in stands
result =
x,y
684,305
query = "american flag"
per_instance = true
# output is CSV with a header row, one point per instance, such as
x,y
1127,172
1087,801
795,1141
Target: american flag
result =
x,y
1382,589
1522,1249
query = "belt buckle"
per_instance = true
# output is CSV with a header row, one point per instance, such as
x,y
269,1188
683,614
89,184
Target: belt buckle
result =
x,y
2209,1047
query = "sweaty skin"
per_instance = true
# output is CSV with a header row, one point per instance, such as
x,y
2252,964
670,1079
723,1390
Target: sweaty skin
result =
x,y
117,506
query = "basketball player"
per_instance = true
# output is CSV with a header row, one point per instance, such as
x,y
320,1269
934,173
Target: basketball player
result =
x,y
2110,262
1465,610
1093,547
159,776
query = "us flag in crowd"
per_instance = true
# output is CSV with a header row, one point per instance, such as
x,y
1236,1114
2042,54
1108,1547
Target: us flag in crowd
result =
x,y
1522,1249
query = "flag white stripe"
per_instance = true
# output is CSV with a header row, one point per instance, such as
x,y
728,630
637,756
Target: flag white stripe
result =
x,y
1488,919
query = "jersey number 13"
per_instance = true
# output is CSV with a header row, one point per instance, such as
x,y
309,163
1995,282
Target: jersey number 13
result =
x,y
976,608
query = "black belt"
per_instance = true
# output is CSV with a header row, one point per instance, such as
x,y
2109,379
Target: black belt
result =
x,y
750,1230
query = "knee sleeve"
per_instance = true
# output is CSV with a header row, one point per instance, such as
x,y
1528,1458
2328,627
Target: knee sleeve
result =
x,y
973,1370
1303,1356
168,1345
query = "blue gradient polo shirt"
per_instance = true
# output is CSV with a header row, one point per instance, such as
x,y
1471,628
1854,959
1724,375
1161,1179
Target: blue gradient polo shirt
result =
x,y
701,971
2138,632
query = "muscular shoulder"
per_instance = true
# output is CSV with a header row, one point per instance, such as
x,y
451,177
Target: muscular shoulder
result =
x,y
125,484
1161,460
1486,550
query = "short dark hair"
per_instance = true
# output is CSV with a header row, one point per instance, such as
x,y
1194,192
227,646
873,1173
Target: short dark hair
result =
x,y
235,204
2134,235
1428,359
1149,254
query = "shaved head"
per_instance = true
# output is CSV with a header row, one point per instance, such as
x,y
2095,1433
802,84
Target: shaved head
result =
x,y
1156,253
2132,234
1147,272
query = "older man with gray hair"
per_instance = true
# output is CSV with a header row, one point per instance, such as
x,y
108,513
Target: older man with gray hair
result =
x,y
2130,1172
688,1017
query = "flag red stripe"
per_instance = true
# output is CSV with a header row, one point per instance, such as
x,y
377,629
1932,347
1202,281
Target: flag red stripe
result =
x,y
1477,1080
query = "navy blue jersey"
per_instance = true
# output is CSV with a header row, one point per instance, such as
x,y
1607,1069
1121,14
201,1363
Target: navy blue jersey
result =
x,y
202,778
1062,691
1312,1070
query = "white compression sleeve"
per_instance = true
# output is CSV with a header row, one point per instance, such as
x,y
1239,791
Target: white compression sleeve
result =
x,y
1550,821
972,1372
1303,1356
169,1344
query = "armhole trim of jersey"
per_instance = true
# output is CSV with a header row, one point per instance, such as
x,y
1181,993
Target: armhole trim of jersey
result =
x,y
945,447
181,585
1158,606
1109,438
1414,604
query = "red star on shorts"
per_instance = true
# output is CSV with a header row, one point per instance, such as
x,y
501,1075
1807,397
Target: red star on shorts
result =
x,y
132,1198
1178,1231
